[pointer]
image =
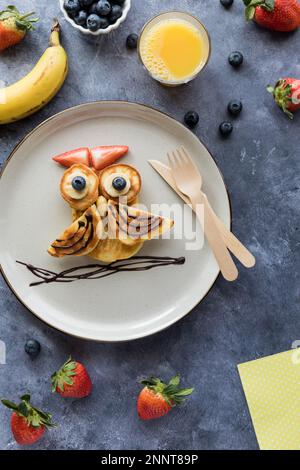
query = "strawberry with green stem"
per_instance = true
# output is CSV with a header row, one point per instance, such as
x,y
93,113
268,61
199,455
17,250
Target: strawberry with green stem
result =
x,y
72,380
14,26
28,424
286,94
157,398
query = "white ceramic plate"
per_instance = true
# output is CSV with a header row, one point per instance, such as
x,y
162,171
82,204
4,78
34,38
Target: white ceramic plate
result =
x,y
128,305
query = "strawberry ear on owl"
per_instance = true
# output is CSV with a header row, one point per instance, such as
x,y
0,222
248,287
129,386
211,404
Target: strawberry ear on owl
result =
x,y
72,157
98,157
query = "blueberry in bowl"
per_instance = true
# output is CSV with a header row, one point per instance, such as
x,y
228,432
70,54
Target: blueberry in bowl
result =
x,y
103,8
95,17
81,18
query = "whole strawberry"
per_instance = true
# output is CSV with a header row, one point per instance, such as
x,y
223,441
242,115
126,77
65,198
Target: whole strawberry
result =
x,y
14,26
28,424
278,15
72,380
157,398
287,95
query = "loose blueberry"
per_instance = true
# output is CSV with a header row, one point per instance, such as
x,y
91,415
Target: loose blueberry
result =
x,y
235,107
32,347
93,22
103,7
81,18
72,6
115,14
119,183
226,128
85,3
236,59
191,119
78,183
132,41
226,3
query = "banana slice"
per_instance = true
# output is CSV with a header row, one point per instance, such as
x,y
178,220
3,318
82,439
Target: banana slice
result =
x,y
101,204
120,181
80,238
79,186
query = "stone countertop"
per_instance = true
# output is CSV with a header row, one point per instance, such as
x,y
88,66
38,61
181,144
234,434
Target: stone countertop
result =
x,y
256,316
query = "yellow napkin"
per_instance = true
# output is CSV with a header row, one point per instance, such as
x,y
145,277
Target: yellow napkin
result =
x,y
272,389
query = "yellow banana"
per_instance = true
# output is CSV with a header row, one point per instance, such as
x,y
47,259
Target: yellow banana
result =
x,y
36,89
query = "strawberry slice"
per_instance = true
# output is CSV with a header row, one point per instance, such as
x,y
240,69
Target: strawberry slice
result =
x,y
106,155
81,155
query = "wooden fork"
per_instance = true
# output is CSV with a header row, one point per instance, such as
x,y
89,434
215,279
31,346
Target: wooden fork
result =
x,y
189,182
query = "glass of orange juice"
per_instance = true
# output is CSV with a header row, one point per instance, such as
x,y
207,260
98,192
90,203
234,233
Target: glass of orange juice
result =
x,y
174,47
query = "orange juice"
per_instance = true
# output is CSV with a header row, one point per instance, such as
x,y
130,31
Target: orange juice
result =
x,y
174,49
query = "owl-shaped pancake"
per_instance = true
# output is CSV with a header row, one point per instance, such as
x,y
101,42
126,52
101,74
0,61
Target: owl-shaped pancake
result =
x,y
103,227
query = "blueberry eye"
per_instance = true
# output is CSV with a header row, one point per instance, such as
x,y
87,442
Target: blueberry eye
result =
x,y
119,183
78,183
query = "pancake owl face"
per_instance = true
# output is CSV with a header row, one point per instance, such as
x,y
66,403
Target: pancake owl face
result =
x,y
120,181
79,186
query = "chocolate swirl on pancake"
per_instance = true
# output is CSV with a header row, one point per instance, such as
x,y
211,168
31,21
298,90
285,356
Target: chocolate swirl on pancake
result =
x,y
132,225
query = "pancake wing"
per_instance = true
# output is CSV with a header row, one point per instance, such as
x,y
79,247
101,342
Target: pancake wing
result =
x,y
132,225
80,238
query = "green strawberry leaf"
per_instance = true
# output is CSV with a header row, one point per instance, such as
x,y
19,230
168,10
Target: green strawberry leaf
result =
x,y
64,375
251,6
9,404
12,8
184,392
23,409
250,13
269,5
288,112
175,380
34,416
26,397
172,393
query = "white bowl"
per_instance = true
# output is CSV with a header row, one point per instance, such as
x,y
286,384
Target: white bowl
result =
x,y
107,30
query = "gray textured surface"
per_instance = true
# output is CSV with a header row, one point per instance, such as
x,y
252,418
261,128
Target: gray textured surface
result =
x,y
254,317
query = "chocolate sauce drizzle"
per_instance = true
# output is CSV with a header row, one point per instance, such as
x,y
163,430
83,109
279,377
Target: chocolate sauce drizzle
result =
x,y
98,271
